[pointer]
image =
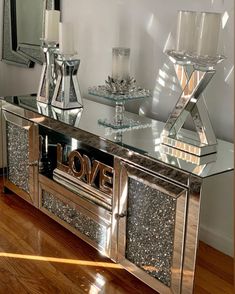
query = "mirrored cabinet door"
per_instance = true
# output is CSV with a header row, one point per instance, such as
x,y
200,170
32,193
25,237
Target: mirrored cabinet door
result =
x,y
21,160
150,217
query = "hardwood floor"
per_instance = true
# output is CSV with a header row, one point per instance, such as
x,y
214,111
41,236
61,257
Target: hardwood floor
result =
x,y
37,255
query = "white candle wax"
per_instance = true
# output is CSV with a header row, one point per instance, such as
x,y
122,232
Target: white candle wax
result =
x,y
121,63
52,18
186,31
208,34
66,41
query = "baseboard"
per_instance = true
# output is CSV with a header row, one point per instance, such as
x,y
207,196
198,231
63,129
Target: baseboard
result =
x,y
216,240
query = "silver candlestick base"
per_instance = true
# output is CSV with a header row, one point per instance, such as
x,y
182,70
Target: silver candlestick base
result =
x,y
67,93
194,74
47,81
68,116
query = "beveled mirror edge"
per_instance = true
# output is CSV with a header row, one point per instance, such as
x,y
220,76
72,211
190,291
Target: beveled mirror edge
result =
x,y
8,55
36,52
11,53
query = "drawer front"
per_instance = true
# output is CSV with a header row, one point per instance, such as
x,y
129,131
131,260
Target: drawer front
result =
x,y
78,218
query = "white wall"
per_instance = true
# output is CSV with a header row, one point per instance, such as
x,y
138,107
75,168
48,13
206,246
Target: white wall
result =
x,y
217,210
145,26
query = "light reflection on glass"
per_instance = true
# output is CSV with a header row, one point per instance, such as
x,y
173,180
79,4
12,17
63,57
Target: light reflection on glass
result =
x,y
166,66
157,89
141,112
74,144
161,82
157,141
225,18
163,74
150,22
229,74
169,44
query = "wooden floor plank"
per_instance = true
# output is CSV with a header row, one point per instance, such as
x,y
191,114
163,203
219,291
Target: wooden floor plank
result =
x,y
72,266
216,262
212,283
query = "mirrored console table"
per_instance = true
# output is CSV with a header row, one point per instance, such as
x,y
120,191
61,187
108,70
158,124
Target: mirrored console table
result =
x,y
125,194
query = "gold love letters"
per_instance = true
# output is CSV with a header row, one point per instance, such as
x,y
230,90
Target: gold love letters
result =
x,y
94,173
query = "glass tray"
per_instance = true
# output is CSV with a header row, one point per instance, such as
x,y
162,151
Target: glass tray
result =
x,y
119,120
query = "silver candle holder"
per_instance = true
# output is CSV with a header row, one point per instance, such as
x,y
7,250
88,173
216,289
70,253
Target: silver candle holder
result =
x,y
120,88
67,93
48,75
194,74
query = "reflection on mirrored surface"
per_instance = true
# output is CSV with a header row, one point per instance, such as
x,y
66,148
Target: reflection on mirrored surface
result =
x,y
188,157
145,141
71,117
8,54
43,109
22,30
29,19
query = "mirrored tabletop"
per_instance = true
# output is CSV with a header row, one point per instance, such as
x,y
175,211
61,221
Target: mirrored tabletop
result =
x,y
144,139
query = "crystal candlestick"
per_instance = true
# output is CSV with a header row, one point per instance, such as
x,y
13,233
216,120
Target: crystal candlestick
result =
x,y
48,76
191,101
67,93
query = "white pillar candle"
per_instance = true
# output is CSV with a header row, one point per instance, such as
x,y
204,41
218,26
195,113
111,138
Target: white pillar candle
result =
x,y
208,34
52,19
66,40
121,63
186,31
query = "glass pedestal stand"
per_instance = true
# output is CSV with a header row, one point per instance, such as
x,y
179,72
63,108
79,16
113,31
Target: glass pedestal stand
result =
x,y
194,74
119,121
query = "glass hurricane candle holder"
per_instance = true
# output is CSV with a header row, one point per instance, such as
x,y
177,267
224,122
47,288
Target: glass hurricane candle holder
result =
x,y
120,88
120,63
